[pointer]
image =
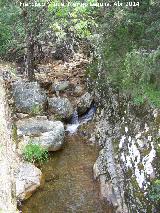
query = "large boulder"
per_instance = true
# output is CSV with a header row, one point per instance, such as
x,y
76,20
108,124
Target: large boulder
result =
x,y
29,97
61,107
48,134
34,126
28,179
52,140
84,103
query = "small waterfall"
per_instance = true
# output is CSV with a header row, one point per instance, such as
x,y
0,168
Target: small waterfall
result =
x,y
88,115
76,121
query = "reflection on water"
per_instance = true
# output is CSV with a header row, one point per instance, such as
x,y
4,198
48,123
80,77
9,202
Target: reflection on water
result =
x,y
69,185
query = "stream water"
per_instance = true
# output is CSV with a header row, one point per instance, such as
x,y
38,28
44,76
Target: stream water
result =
x,y
69,185
76,120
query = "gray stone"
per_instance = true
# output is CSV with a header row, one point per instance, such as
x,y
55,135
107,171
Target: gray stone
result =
x,y
51,140
34,126
61,107
84,103
29,97
28,179
40,130
60,86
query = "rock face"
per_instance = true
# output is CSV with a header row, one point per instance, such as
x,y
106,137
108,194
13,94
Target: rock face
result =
x,y
28,179
29,97
60,86
125,166
84,103
48,134
61,106
8,158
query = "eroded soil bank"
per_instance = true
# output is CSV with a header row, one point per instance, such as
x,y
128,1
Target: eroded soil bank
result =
x,y
69,184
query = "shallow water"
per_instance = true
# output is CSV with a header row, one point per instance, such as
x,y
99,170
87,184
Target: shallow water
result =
x,y
69,185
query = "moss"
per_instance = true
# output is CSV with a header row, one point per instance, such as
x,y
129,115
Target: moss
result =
x,y
116,146
56,117
14,134
140,166
145,152
36,110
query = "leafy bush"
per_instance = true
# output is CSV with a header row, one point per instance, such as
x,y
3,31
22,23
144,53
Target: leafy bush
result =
x,y
154,194
129,52
140,77
35,153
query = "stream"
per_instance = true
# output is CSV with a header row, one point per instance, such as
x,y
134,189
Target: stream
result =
x,y
69,184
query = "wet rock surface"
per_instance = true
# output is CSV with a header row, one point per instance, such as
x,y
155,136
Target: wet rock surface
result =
x,y
29,97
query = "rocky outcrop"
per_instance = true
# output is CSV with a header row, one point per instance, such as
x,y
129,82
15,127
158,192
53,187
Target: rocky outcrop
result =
x,y
125,166
108,170
84,103
29,97
8,156
62,107
28,179
48,134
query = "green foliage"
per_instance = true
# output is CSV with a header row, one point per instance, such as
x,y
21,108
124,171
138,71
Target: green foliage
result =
x,y
154,194
74,17
35,153
36,110
11,28
129,52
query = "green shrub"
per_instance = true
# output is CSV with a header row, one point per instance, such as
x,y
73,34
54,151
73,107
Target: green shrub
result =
x,y
154,194
34,153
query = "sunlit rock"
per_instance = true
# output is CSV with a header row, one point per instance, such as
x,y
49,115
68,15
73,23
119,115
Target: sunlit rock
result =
x,y
29,97
48,134
28,179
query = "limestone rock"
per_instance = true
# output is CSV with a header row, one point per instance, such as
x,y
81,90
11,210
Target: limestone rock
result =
x,y
61,107
29,97
28,179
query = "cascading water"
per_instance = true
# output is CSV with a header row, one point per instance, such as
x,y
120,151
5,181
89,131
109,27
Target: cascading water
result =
x,y
76,120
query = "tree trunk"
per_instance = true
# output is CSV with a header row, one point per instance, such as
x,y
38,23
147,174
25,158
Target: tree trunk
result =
x,y
30,57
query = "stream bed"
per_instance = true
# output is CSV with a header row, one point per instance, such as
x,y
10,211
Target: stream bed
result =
x,y
69,184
